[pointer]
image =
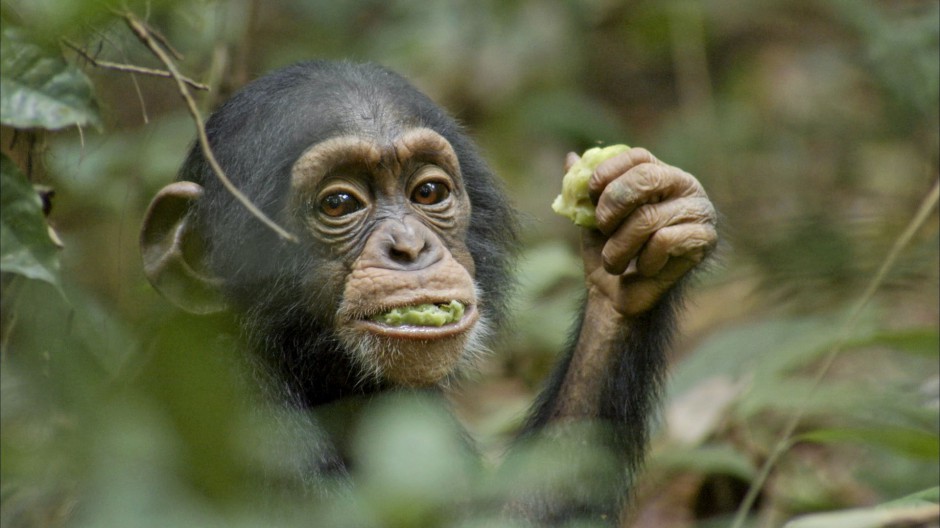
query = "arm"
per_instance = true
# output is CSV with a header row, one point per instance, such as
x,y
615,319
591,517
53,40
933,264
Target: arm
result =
x,y
655,223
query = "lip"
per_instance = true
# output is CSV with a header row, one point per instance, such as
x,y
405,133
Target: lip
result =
x,y
423,333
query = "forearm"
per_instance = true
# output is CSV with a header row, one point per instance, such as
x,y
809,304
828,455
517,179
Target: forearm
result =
x,y
612,370
600,335
611,378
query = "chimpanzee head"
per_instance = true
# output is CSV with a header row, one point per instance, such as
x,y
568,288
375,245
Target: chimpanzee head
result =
x,y
405,239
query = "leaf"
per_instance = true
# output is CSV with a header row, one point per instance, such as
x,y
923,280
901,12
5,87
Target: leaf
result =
x,y
39,90
765,348
927,496
920,341
909,442
870,518
834,398
25,246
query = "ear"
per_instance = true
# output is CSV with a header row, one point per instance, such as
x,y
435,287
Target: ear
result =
x,y
173,251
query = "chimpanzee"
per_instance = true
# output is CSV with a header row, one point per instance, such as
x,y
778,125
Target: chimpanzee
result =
x,y
394,208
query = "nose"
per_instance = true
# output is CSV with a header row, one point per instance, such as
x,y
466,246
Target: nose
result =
x,y
407,245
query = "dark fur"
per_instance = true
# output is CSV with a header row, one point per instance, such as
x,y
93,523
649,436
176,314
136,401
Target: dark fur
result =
x,y
258,134
630,396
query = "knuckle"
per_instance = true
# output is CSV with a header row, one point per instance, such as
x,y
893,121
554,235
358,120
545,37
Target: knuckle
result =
x,y
711,243
694,243
605,173
711,214
645,218
603,216
600,182
703,211
606,259
640,153
690,184
694,188
613,203
646,177
613,254
663,179
596,181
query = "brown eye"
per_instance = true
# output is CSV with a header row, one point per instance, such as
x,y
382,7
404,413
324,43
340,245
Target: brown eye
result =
x,y
339,204
430,193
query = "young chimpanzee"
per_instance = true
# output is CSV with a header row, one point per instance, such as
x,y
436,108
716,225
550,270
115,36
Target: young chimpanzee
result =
x,y
398,217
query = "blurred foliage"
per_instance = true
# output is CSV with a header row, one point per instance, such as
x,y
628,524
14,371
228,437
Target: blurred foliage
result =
x,y
813,125
26,247
41,91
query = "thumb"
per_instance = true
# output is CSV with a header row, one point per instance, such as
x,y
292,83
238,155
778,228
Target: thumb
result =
x,y
592,244
570,160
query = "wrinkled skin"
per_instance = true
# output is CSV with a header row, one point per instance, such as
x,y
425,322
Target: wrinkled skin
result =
x,y
393,206
655,223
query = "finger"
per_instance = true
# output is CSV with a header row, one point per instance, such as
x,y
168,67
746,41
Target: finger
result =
x,y
570,160
689,242
592,243
646,183
610,169
674,270
634,233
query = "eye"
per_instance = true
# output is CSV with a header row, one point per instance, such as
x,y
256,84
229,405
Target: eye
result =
x,y
430,193
339,204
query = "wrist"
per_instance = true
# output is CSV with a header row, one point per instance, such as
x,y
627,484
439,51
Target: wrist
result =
x,y
601,315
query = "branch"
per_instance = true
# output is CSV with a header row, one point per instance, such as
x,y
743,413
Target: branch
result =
x,y
129,68
142,33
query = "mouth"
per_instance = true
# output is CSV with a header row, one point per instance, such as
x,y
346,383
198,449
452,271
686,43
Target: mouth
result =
x,y
424,321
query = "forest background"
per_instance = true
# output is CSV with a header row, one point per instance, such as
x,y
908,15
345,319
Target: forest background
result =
x,y
807,368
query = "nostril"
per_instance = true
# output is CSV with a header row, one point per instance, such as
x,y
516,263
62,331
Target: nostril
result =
x,y
407,246
402,256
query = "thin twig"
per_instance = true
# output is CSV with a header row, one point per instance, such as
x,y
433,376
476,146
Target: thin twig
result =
x,y
142,33
165,43
140,99
786,439
140,96
130,68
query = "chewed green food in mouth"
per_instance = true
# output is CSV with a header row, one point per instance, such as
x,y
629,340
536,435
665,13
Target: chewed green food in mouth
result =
x,y
422,315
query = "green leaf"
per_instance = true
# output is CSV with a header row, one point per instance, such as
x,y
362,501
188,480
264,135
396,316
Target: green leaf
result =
x,y
868,518
766,349
25,246
920,341
927,496
40,90
909,442
847,399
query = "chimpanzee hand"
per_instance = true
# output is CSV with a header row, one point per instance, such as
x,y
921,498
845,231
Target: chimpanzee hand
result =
x,y
655,223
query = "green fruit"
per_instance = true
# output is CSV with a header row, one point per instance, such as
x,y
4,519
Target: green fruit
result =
x,y
423,315
574,201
